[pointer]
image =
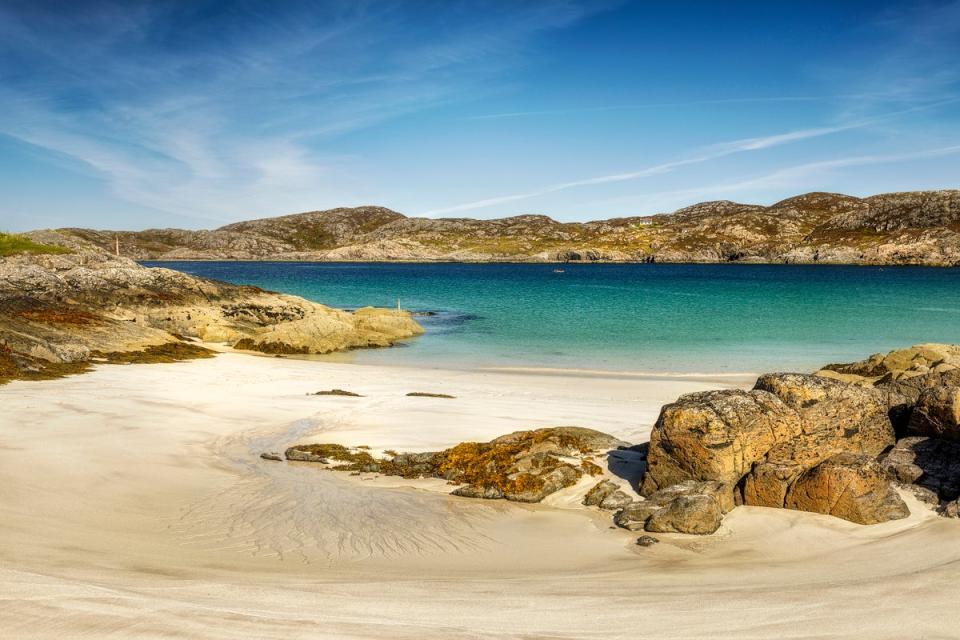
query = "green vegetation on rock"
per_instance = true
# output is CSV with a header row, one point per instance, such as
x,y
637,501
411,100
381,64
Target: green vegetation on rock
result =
x,y
13,244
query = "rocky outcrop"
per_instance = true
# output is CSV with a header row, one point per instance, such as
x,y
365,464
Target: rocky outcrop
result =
x,y
900,364
69,308
895,228
525,466
715,435
794,441
826,443
804,442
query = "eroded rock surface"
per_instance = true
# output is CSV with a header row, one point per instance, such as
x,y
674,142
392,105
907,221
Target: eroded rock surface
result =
x,y
525,466
937,413
899,364
848,486
794,441
715,435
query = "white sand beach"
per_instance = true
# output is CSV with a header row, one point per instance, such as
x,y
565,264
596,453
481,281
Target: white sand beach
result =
x,y
134,504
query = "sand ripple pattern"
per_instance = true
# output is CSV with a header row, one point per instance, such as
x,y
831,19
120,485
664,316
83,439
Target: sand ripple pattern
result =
x,y
303,513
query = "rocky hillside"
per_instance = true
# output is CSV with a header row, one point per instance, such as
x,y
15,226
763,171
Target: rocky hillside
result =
x,y
898,228
60,311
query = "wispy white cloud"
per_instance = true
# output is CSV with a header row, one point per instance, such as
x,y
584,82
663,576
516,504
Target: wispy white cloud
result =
x,y
668,105
706,154
793,179
917,62
227,120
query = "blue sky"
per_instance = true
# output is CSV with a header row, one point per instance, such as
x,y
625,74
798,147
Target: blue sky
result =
x,y
195,114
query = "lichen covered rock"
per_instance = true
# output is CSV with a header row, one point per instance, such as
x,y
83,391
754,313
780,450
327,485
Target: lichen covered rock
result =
x,y
937,413
847,486
64,308
524,466
773,442
715,435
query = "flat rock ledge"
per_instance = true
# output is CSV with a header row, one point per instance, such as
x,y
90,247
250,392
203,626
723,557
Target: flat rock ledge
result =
x,y
59,312
525,466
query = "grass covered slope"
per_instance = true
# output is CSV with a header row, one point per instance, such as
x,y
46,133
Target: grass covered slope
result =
x,y
13,244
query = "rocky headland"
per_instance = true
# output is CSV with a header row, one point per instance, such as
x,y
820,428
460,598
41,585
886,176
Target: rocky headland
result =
x,y
843,441
63,308
921,227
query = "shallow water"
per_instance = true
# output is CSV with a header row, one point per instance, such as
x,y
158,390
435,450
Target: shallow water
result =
x,y
637,317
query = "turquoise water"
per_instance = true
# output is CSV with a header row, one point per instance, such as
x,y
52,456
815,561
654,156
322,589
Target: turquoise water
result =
x,y
644,317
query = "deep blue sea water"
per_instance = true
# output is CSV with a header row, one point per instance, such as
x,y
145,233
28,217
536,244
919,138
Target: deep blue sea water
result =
x,y
643,317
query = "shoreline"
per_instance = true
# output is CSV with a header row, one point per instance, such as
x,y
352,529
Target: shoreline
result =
x,y
732,263
135,492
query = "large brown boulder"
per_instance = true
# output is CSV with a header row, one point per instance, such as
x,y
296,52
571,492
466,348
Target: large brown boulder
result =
x,y
767,442
847,486
715,435
902,395
937,413
769,481
834,415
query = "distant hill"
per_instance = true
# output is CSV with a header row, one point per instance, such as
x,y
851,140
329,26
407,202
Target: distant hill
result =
x,y
921,227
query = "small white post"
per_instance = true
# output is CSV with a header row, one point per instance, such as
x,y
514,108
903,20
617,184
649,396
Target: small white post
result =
x,y
116,240
398,304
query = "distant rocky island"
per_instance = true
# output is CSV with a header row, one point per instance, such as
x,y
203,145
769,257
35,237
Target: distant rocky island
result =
x,y
920,227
